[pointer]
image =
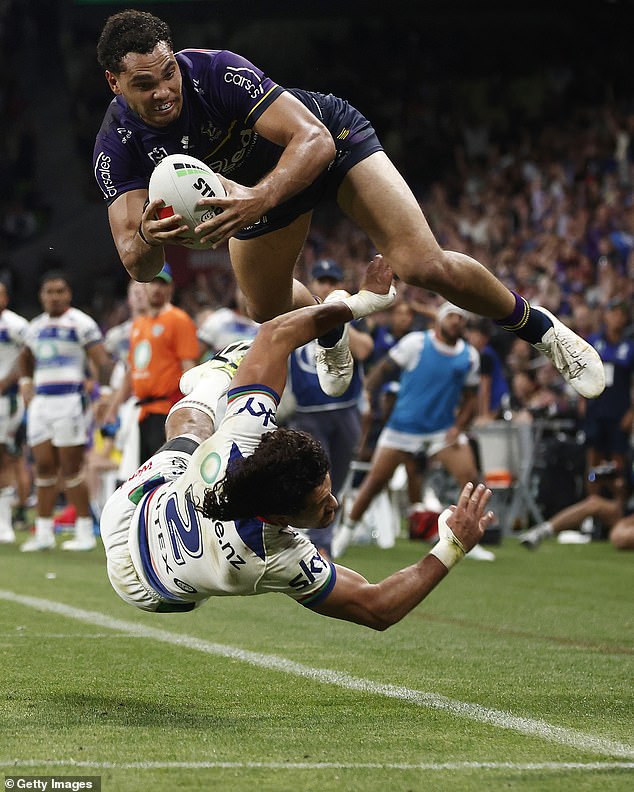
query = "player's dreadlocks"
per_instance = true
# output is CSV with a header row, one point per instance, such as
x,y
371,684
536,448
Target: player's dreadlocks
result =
x,y
283,470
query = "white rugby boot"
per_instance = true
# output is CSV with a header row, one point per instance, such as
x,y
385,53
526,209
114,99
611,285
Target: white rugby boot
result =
x,y
576,360
335,364
532,538
479,553
37,543
341,540
84,538
7,534
225,361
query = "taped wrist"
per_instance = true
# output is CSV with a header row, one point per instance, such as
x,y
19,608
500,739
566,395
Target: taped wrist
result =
x,y
367,302
449,549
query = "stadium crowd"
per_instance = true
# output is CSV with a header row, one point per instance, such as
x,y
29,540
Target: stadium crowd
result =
x,y
529,174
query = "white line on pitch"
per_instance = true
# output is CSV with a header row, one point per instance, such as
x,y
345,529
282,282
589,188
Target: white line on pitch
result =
x,y
433,766
475,712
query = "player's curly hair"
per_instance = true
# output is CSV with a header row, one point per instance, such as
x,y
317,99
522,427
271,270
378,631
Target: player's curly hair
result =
x,y
130,31
277,478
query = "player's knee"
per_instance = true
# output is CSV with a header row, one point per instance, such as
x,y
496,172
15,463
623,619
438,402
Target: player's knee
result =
x,y
429,272
73,480
622,537
43,481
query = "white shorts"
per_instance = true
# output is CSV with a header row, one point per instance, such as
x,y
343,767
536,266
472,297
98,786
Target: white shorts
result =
x,y
11,412
61,419
117,524
430,444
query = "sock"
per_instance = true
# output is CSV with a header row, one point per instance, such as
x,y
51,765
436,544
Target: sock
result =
x,y
44,528
526,322
330,338
547,528
415,507
84,528
206,393
6,502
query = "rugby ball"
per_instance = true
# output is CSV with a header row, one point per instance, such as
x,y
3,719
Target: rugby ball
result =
x,y
181,181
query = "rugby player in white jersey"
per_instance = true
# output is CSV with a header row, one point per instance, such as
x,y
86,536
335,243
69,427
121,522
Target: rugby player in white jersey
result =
x,y
184,527
60,344
12,331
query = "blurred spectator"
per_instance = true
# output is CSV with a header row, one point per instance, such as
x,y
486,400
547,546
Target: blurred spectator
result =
x,y
163,345
225,325
333,420
12,333
494,391
609,418
435,405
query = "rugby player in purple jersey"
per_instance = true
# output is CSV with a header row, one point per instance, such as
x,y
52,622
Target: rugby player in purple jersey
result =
x,y
280,152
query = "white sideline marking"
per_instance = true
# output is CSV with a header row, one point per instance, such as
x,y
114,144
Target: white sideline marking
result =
x,y
434,766
475,712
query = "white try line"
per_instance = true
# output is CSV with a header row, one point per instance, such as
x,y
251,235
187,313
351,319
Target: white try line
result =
x,y
429,766
474,712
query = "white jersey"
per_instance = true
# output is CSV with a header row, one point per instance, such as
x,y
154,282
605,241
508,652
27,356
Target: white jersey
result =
x,y
225,326
12,332
164,555
59,347
117,340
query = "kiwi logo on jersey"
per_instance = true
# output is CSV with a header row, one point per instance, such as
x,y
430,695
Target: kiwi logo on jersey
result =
x,y
210,467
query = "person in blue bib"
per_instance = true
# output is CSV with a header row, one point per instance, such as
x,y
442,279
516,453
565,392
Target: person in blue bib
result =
x,y
435,404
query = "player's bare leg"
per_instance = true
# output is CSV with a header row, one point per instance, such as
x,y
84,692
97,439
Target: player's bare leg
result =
x,y
264,270
377,197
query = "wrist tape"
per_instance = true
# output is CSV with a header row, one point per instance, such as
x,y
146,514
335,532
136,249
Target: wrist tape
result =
x,y
449,549
367,302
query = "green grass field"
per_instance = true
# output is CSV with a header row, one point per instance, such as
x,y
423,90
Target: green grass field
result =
x,y
512,675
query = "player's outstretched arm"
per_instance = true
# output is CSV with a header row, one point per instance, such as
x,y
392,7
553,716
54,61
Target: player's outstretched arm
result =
x,y
267,359
380,605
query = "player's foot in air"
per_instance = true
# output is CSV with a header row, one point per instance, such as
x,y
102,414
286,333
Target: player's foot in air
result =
x,y
576,360
335,364
226,361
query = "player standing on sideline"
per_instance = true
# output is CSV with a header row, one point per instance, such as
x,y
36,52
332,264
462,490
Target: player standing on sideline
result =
x,y
12,332
285,150
58,345
182,529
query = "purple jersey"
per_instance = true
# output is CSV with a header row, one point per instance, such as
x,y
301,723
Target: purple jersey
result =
x,y
223,96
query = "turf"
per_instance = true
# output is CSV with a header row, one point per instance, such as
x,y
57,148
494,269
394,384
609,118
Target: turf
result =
x,y
546,637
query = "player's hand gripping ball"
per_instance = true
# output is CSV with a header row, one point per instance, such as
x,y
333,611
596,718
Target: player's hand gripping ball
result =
x,y
181,181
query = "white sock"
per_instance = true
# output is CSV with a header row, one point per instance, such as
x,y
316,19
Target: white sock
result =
x,y
6,502
547,528
83,528
206,394
416,507
44,528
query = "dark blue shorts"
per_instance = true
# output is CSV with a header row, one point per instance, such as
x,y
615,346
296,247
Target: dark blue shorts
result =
x,y
355,139
606,436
